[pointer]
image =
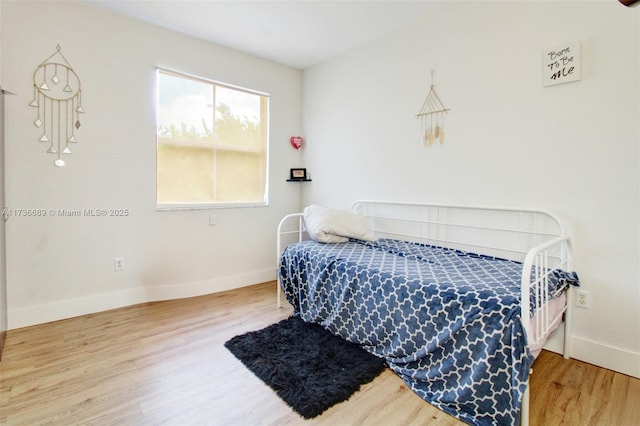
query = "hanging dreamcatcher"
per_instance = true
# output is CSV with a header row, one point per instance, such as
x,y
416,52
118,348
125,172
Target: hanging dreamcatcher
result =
x,y
57,95
431,117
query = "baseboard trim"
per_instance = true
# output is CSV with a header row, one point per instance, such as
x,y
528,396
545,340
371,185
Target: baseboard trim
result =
x,y
39,314
216,285
612,358
609,357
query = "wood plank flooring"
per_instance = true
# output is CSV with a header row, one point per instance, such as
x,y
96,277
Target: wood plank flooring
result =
x,y
164,363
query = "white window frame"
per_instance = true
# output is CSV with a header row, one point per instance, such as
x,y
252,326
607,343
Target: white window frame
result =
x,y
264,120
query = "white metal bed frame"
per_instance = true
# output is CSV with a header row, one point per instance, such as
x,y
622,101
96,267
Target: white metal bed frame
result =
x,y
535,237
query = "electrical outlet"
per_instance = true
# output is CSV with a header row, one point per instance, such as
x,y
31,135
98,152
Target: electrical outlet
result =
x,y
582,299
118,264
213,220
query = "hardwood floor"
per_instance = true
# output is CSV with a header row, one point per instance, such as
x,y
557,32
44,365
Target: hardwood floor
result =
x,y
165,363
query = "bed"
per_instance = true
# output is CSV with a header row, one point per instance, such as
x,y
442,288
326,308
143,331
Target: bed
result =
x,y
458,300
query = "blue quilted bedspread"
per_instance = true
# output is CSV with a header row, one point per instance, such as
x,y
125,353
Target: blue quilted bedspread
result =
x,y
447,322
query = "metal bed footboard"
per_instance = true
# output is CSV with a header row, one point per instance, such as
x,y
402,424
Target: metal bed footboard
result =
x,y
290,229
536,271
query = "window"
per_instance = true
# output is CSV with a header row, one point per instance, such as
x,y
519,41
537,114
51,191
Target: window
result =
x,y
212,143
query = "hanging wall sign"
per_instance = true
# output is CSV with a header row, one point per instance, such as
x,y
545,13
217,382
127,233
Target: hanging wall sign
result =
x,y
561,64
58,97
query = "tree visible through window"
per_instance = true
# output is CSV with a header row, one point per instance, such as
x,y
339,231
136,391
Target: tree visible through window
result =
x,y
212,143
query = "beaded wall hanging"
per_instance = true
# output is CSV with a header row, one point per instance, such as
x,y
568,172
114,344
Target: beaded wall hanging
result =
x,y
57,94
431,117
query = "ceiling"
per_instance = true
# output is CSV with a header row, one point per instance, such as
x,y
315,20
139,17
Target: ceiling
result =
x,y
297,33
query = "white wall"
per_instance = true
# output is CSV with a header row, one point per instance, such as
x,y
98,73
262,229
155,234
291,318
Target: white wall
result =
x,y
571,148
63,266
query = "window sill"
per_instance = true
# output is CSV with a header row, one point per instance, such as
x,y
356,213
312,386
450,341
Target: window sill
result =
x,y
207,206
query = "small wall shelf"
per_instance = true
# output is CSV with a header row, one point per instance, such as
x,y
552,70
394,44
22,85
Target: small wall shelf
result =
x,y
298,180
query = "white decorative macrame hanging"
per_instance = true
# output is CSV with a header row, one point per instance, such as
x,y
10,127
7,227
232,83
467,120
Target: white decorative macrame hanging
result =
x,y
431,117
57,94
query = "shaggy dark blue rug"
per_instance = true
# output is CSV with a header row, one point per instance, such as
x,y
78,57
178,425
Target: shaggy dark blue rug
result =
x,y
307,366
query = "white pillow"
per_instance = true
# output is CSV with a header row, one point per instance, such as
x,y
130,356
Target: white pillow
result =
x,y
328,225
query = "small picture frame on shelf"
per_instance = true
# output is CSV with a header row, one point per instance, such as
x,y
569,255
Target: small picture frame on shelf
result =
x,y
298,174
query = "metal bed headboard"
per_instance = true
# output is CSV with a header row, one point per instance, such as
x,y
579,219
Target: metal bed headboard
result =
x,y
500,231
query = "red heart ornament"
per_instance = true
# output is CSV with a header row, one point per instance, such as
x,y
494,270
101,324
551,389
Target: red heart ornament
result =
x,y
296,141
